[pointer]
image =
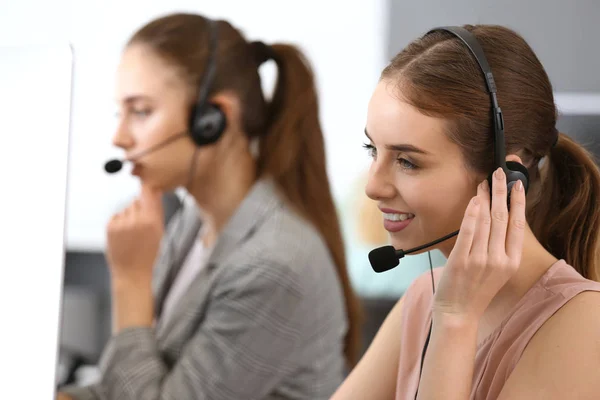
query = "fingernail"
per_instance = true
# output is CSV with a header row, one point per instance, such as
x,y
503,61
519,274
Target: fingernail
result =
x,y
499,174
485,186
519,186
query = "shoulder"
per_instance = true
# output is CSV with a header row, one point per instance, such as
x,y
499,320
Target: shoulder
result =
x,y
576,323
421,289
288,240
562,359
414,309
284,249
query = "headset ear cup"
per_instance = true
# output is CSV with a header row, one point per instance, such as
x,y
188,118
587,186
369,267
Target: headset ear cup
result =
x,y
517,171
514,172
207,125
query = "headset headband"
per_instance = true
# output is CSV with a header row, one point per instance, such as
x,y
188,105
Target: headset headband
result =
x,y
208,76
473,45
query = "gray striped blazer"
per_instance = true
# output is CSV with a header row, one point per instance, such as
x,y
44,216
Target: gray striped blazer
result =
x,y
264,320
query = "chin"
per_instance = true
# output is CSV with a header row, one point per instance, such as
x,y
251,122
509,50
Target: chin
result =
x,y
404,242
158,182
404,237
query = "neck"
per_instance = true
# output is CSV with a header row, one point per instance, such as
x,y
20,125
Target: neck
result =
x,y
535,261
222,193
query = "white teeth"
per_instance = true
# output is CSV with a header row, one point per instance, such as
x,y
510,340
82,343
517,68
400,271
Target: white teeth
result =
x,y
397,217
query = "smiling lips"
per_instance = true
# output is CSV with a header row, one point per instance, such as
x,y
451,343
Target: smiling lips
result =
x,y
395,221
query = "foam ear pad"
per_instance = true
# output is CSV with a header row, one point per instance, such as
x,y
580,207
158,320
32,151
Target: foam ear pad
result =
x,y
207,125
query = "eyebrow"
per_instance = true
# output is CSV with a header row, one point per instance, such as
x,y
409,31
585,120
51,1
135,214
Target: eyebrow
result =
x,y
404,148
133,98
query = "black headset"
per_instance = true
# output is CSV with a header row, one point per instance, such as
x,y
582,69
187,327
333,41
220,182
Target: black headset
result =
x,y
207,121
514,171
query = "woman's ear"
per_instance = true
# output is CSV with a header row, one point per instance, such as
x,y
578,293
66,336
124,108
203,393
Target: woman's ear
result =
x,y
230,106
514,157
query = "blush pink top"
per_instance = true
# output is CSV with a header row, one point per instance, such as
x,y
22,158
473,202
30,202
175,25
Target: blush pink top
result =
x,y
499,353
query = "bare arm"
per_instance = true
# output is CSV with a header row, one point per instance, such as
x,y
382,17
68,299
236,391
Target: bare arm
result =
x,y
562,360
375,375
450,354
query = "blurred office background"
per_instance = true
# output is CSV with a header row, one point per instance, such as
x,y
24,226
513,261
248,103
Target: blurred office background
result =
x,y
348,43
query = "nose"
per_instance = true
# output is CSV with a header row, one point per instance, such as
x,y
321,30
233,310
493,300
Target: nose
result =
x,y
380,185
122,137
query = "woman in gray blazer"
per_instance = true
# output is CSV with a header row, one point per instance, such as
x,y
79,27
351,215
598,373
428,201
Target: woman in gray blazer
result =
x,y
246,294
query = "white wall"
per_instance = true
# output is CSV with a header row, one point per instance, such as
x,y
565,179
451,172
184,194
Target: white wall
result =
x,y
574,103
344,40
33,167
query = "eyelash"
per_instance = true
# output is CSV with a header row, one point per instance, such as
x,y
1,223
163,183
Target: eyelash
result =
x,y
370,149
404,163
141,113
137,113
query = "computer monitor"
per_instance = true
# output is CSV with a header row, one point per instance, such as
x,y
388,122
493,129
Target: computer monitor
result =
x,y
35,108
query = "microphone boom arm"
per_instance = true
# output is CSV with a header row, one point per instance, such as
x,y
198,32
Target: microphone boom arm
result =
x,y
115,165
402,253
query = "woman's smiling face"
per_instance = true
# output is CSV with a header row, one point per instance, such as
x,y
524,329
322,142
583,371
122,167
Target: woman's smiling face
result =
x,y
418,176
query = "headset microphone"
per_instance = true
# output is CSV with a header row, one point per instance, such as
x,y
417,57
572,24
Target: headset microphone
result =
x,y
387,257
115,165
